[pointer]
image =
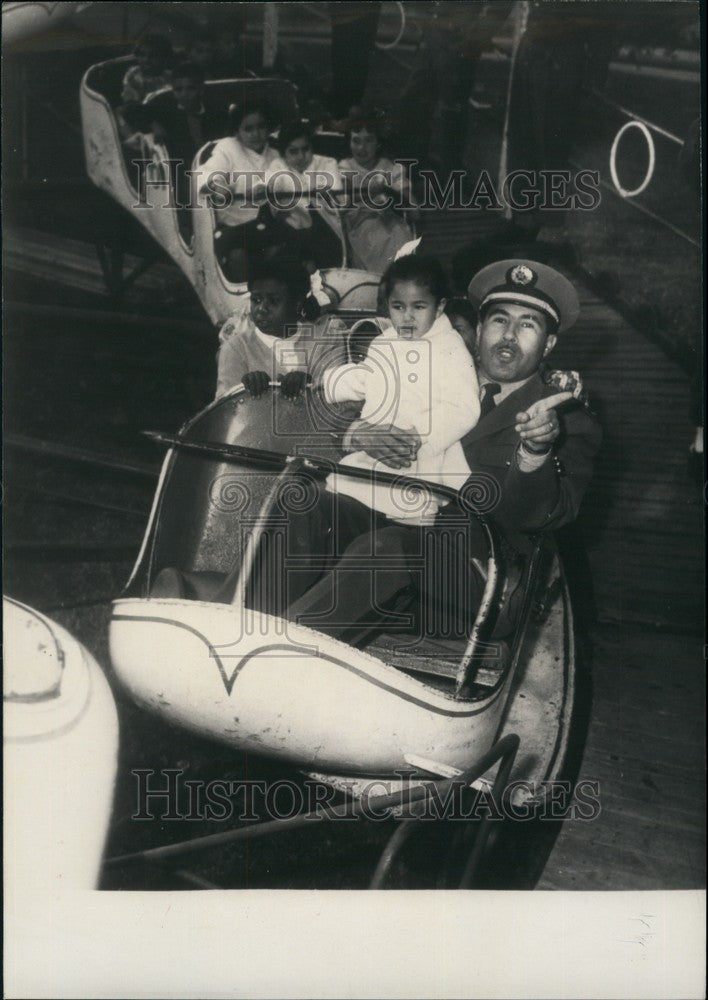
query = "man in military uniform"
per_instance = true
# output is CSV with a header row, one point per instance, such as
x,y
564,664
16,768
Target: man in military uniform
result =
x,y
531,454
537,443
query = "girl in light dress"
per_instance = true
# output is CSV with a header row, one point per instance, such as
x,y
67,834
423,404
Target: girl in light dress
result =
x,y
374,232
234,176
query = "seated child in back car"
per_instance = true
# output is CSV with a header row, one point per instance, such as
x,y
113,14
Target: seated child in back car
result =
x,y
149,75
375,231
310,227
151,72
418,376
463,316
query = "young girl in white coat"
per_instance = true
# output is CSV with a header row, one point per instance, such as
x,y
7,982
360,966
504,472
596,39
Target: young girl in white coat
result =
x,y
418,376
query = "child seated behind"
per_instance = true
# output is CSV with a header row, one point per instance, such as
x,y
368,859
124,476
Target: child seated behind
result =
x,y
151,72
149,75
277,337
374,230
182,118
463,317
238,166
311,228
417,376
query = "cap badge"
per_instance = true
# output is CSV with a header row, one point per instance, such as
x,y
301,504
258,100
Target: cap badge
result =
x,y
522,275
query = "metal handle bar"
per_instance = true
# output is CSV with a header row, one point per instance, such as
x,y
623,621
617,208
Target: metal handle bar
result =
x,y
276,460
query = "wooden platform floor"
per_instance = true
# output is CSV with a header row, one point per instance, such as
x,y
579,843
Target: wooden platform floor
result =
x,y
643,517
645,750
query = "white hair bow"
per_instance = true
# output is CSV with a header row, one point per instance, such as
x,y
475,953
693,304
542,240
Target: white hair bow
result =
x,y
317,289
408,248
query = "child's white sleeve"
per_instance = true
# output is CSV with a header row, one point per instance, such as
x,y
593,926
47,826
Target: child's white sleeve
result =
x,y
228,175
454,395
279,177
218,162
238,321
344,383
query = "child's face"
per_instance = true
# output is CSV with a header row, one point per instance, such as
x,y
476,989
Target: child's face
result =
x,y
253,132
365,147
187,93
465,329
413,309
274,308
298,154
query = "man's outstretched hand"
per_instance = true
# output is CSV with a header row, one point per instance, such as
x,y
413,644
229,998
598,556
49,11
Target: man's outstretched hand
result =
x,y
538,426
390,444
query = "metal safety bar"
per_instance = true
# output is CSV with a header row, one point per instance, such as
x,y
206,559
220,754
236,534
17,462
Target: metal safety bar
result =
x,y
504,749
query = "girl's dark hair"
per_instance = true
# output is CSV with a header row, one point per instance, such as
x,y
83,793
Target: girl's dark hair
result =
x,y
295,130
369,123
290,273
365,124
237,112
376,120
424,271
462,307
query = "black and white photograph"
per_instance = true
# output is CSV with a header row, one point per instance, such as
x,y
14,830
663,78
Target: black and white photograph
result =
x,y
354,493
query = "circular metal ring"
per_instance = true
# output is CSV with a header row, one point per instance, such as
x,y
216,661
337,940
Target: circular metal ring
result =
x,y
652,159
383,46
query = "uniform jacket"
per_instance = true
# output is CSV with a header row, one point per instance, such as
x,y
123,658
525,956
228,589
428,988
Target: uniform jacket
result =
x,y
550,496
